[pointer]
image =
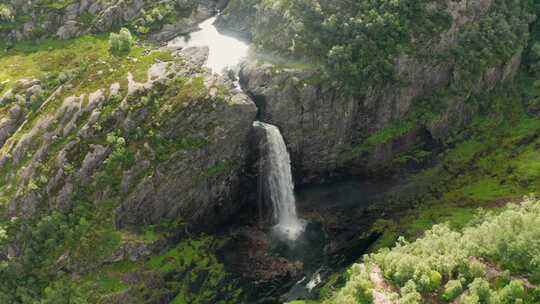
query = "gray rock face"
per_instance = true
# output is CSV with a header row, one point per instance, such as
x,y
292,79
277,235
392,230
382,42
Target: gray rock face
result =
x,y
187,25
196,56
319,121
83,16
238,18
315,120
199,182
204,184
16,104
321,124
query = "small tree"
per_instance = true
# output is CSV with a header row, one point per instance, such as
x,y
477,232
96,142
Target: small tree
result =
x,y
6,13
121,42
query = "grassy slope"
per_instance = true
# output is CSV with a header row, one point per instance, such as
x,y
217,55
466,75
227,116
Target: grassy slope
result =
x,y
88,55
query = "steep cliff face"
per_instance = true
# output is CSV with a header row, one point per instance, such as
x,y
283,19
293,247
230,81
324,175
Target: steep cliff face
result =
x,y
330,132
67,19
238,18
170,147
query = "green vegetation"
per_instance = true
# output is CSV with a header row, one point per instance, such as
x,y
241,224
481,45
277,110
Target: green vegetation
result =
x,y
491,162
85,62
67,252
151,17
121,42
157,14
198,277
451,264
6,13
358,42
64,249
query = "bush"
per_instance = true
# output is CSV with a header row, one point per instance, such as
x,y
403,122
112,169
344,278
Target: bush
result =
x,y
409,294
472,270
358,288
512,292
6,13
435,279
121,42
470,299
481,289
452,290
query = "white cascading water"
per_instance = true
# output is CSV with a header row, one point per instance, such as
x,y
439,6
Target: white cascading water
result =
x,y
280,185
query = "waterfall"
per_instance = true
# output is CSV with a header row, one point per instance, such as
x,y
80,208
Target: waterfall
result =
x,y
278,183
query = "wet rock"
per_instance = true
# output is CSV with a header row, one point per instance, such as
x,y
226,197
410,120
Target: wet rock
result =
x,y
196,56
238,20
251,259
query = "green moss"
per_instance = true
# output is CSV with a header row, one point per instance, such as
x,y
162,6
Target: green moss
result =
x,y
88,58
200,277
488,164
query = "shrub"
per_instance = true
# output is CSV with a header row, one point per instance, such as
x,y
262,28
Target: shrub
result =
x,y
435,279
470,299
6,13
472,270
452,290
121,42
409,294
512,292
480,288
358,288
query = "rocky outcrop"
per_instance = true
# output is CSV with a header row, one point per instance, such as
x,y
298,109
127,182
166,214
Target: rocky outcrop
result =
x,y
238,18
83,16
15,104
182,160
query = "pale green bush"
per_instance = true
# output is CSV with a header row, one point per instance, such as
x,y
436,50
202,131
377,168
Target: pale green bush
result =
x,y
472,270
480,287
470,299
6,13
358,288
441,250
452,290
121,42
510,239
512,293
409,294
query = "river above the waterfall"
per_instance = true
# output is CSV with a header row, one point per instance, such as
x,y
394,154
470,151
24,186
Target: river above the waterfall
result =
x,y
224,51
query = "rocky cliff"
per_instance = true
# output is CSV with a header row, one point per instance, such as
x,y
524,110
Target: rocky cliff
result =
x,y
330,132
170,147
67,19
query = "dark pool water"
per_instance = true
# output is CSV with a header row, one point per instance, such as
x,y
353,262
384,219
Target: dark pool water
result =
x,y
334,198
349,194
